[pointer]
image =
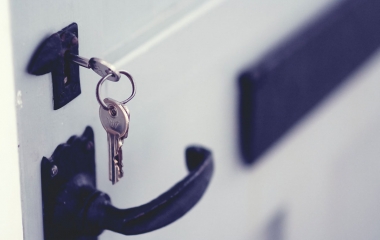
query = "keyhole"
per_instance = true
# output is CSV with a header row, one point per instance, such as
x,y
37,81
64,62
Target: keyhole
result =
x,y
66,69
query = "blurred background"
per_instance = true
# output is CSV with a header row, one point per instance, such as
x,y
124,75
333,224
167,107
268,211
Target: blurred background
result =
x,y
320,180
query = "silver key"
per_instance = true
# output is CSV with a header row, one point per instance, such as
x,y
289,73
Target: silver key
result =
x,y
101,67
115,121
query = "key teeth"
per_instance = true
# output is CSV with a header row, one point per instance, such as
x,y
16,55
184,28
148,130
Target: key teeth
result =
x,y
121,172
118,173
119,168
120,160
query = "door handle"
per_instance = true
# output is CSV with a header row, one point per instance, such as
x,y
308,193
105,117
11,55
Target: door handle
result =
x,y
73,208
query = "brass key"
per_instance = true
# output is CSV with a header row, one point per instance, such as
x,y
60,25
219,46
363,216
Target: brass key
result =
x,y
115,121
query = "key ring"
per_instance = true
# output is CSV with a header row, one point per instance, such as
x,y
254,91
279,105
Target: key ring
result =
x,y
103,79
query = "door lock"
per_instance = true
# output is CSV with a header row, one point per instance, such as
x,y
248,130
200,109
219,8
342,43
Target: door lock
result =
x,y
58,54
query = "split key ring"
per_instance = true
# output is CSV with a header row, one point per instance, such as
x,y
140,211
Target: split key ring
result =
x,y
104,78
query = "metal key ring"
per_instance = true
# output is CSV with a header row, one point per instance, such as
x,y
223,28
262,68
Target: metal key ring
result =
x,y
103,79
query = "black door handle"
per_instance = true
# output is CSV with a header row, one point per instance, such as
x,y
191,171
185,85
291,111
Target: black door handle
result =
x,y
74,209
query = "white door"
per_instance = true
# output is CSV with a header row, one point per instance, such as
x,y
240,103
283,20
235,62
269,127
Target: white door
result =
x,y
185,57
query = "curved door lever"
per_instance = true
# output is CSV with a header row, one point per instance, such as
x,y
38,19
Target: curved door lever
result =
x,y
74,209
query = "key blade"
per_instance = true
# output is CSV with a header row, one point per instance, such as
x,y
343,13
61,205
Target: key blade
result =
x,y
113,151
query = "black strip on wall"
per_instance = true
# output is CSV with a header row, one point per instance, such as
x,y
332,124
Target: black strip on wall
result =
x,y
278,91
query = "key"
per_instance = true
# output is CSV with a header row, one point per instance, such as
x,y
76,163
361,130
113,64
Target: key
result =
x,y
115,121
101,67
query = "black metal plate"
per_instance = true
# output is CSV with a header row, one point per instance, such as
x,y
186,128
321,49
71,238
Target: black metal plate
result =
x,y
67,191
50,57
278,91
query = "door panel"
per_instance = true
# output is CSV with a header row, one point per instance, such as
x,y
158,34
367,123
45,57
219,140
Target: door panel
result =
x,y
185,68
